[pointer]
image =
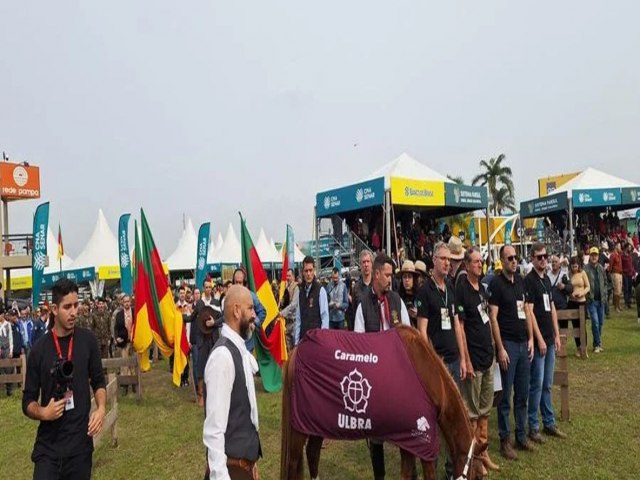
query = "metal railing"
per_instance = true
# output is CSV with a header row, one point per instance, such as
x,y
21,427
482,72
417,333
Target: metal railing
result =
x,y
17,244
357,247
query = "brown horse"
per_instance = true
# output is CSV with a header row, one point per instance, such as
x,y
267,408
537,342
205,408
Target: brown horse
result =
x,y
439,385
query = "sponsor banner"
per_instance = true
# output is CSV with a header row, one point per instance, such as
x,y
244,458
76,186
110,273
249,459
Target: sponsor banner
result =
x,y
405,191
19,181
203,251
541,206
596,197
548,185
126,282
354,197
630,196
79,275
109,272
347,375
326,247
465,196
39,254
291,247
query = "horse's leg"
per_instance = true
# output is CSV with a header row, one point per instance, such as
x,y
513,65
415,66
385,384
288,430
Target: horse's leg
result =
x,y
295,468
314,445
407,465
428,470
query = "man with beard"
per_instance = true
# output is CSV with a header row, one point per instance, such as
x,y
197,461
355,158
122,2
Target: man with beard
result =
x,y
230,430
380,309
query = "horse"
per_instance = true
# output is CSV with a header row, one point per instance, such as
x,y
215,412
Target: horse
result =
x,y
453,419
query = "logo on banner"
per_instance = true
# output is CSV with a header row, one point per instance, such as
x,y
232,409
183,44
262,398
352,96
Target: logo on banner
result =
x,y
327,203
124,260
20,176
39,260
581,197
634,195
201,263
359,195
530,207
456,194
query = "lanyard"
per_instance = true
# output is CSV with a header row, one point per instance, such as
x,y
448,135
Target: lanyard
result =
x,y
57,345
445,300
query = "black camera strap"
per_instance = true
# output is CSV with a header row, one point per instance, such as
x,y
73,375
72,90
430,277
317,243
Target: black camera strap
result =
x,y
56,342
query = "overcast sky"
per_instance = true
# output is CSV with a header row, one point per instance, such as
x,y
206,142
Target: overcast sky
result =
x,y
210,107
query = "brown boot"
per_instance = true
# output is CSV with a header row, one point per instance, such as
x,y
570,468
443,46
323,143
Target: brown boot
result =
x,y
483,438
507,450
200,393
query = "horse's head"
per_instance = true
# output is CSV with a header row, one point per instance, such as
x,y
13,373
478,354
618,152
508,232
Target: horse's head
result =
x,y
468,467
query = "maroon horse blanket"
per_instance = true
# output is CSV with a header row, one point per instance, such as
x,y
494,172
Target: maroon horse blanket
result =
x,y
362,385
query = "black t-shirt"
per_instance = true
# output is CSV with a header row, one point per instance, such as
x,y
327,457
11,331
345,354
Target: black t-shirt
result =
x,y
66,436
430,301
510,298
537,287
478,333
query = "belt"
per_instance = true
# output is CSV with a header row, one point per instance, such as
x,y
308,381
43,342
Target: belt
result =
x,y
242,463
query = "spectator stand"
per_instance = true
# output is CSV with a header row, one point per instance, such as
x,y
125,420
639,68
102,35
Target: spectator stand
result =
x,y
397,193
585,197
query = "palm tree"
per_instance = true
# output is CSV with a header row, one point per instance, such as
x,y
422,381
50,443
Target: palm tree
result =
x,y
498,178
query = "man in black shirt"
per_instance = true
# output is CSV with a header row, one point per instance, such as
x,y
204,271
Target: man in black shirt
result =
x,y
59,369
477,390
513,335
542,310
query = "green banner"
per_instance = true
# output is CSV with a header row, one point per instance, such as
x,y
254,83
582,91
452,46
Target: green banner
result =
x,y
465,196
39,254
542,206
630,196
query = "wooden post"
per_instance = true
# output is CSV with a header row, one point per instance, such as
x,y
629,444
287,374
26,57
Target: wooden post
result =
x,y
561,378
583,333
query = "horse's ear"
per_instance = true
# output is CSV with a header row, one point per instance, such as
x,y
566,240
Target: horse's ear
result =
x,y
480,448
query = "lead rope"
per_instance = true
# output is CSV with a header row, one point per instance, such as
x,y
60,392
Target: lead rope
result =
x,y
467,464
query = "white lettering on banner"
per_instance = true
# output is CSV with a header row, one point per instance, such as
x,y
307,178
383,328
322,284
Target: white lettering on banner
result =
x,y
356,357
331,201
353,423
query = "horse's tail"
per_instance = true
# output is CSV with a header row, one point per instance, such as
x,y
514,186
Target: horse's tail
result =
x,y
286,417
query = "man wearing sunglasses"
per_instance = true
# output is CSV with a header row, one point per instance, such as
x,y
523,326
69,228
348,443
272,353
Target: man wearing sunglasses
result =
x,y
513,335
542,310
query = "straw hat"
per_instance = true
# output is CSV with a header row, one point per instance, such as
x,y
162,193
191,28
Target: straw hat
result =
x,y
456,248
420,267
408,267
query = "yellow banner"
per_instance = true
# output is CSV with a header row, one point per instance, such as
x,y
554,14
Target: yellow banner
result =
x,y
405,191
112,272
548,185
20,283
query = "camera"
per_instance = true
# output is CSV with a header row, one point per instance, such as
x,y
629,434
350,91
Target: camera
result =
x,y
62,373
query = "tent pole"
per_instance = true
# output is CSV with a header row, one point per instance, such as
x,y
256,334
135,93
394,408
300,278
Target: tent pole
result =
x,y
316,221
571,238
387,212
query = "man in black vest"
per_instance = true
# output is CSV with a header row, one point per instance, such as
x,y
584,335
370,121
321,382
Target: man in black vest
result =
x,y
380,309
230,430
361,287
313,303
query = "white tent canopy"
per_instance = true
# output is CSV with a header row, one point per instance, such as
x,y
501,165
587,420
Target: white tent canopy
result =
x,y
230,252
405,166
212,255
592,178
265,252
101,249
184,256
52,253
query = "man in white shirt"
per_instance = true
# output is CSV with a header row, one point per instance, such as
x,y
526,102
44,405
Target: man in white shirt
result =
x,y
230,430
6,344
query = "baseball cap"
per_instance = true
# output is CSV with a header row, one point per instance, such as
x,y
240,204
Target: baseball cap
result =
x,y
593,250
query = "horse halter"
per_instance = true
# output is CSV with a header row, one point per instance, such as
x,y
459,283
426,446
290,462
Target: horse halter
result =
x,y
467,464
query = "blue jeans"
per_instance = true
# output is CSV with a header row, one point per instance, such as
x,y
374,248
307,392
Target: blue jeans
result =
x,y
596,312
516,377
336,325
540,388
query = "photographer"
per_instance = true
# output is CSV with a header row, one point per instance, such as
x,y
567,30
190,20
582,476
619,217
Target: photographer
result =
x,y
59,370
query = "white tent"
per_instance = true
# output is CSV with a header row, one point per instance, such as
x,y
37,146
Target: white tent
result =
x,y
212,255
592,178
278,253
405,166
265,252
101,249
297,253
184,256
231,251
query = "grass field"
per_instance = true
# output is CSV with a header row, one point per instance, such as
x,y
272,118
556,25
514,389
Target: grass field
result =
x,y
161,438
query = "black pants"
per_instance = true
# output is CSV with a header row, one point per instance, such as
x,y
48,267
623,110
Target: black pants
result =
x,y
77,467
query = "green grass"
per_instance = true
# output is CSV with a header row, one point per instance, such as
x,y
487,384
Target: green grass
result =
x,y
161,438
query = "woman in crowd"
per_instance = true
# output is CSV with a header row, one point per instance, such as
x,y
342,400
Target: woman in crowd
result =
x,y
408,289
581,289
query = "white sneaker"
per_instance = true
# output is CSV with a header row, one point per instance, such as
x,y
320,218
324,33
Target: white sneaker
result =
x,y
597,350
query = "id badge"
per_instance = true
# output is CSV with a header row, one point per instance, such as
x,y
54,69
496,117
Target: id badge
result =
x,y
68,401
483,314
547,302
521,314
446,319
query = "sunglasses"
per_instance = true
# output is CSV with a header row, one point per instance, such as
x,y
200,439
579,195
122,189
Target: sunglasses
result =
x,y
542,256
511,258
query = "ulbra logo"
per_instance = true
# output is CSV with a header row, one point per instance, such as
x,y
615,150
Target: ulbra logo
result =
x,y
356,391
20,176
